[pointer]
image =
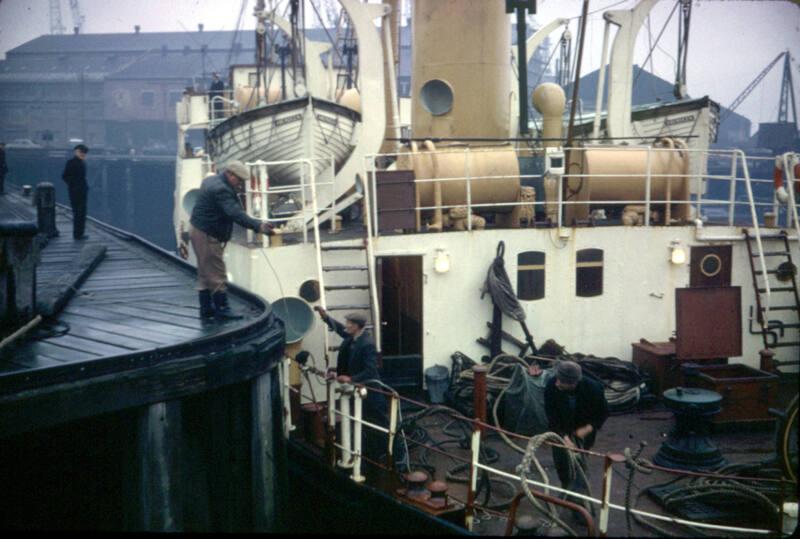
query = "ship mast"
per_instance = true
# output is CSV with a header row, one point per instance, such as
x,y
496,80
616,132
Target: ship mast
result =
x,y
261,48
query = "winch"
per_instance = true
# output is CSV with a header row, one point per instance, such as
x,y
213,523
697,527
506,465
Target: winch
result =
x,y
688,445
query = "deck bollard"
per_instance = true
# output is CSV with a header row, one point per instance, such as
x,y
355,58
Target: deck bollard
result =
x,y
45,200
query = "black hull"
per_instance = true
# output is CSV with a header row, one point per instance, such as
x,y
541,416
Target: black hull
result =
x,y
323,500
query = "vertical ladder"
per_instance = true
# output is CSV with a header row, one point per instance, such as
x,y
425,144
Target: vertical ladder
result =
x,y
764,291
358,276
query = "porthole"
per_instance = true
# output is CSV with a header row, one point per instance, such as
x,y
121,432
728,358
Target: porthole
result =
x,y
710,265
437,97
309,290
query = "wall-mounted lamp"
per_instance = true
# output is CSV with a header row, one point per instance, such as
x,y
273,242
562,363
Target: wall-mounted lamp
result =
x,y
441,263
678,255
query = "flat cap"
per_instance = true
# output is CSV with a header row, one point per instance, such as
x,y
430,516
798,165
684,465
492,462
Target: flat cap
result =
x,y
238,169
357,318
568,372
81,147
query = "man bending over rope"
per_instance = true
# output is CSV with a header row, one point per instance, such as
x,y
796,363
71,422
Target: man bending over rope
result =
x,y
576,409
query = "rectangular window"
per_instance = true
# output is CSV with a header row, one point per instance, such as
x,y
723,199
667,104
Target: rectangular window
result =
x,y
148,98
530,275
589,273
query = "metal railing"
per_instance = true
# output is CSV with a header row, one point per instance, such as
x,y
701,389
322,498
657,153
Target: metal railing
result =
x,y
222,107
699,178
345,401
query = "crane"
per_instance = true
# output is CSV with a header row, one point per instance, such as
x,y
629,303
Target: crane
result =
x,y
56,25
750,87
77,18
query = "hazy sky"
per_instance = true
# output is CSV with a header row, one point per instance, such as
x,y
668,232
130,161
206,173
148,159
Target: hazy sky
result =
x,y
730,42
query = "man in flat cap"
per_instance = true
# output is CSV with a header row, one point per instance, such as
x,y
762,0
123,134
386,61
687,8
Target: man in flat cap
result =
x,y
357,363
576,409
75,176
217,208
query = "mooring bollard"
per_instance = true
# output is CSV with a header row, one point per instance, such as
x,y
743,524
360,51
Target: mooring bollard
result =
x,y
45,200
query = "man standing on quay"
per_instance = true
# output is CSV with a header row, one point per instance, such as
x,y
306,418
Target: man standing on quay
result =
x,y
75,176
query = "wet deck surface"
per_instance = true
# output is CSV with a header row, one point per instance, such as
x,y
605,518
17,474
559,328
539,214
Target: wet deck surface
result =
x,y
755,443
136,299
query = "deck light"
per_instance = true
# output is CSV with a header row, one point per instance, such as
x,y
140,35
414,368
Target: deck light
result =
x,y
442,261
678,256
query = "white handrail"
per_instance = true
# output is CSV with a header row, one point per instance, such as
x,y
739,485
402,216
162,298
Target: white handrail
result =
x,y
373,285
757,231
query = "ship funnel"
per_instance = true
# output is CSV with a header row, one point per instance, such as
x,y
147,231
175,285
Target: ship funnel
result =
x,y
549,100
460,81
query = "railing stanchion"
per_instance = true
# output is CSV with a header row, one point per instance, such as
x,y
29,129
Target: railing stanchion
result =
x,y
394,408
648,186
330,434
358,396
732,192
344,401
479,394
468,174
608,461
473,478
286,365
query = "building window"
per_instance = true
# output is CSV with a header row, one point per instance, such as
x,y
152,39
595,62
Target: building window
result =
x,y
589,273
530,275
148,98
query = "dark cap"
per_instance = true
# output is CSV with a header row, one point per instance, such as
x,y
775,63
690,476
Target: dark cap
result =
x,y
81,147
568,372
357,318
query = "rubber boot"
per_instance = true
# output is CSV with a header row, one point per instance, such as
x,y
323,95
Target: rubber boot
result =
x,y
206,305
223,310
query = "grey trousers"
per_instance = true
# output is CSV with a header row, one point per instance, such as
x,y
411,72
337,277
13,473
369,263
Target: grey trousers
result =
x,y
211,272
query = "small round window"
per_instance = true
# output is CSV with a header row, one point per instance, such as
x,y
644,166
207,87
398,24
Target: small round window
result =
x,y
710,265
437,97
309,290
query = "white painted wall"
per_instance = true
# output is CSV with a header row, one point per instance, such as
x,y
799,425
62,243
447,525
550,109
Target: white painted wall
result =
x,y
637,273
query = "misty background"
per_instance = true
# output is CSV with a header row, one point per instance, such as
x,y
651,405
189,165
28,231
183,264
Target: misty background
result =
x,y
731,41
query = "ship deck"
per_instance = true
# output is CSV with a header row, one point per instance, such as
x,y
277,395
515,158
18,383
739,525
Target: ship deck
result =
x,y
753,443
134,307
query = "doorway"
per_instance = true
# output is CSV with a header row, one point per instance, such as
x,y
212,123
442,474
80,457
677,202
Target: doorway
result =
x,y
400,296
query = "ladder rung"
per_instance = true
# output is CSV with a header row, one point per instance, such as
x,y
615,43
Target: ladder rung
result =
x,y
787,326
770,272
782,308
785,344
341,247
333,348
348,308
778,289
771,253
347,287
344,268
366,326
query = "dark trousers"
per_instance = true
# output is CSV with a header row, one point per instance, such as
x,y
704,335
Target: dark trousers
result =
x,y
374,411
77,199
2,183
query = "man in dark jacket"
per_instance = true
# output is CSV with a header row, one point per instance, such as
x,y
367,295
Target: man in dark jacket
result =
x,y
216,89
357,363
3,168
75,176
216,210
576,409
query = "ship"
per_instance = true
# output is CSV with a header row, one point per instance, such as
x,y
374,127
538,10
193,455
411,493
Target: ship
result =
x,y
605,234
